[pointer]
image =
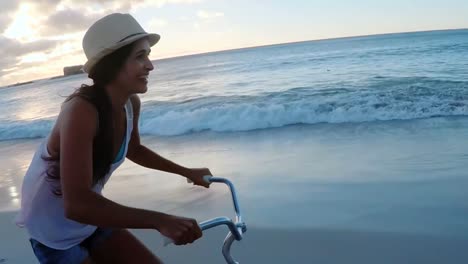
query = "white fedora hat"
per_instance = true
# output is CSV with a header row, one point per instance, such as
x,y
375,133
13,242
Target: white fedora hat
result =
x,y
111,33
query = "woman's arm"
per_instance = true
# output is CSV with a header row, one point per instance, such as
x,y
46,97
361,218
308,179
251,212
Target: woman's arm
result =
x,y
78,125
149,159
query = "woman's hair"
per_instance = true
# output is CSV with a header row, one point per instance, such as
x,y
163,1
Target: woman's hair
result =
x,y
104,72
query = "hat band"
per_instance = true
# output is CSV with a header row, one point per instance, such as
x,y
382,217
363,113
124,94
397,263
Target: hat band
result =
x,y
131,36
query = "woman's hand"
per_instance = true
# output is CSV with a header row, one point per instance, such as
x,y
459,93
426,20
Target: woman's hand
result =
x,y
180,230
196,176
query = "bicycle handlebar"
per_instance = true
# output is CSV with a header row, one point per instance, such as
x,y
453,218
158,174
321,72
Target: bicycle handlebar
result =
x,y
236,229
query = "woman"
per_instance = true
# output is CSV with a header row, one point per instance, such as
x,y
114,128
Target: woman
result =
x,y
62,208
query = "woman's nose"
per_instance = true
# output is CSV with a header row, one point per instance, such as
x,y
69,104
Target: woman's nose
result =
x,y
149,65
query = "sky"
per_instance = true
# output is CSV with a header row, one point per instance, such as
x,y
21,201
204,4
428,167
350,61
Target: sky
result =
x,y
40,37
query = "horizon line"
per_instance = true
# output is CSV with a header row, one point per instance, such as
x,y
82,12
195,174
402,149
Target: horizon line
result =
x,y
309,40
253,47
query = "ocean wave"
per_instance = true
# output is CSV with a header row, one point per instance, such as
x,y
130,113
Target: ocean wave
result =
x,y
396,100
381,99
10,130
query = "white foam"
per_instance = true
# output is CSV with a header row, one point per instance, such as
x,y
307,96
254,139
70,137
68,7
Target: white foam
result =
x,y
232,114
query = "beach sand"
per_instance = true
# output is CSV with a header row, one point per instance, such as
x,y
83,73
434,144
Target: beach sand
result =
x,y
391,192
268,245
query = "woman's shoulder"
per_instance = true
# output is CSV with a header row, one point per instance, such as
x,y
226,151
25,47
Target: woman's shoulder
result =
x,y
79,106
76,116
78,111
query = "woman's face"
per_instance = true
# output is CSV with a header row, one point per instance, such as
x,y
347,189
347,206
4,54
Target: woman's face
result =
x,y
134,75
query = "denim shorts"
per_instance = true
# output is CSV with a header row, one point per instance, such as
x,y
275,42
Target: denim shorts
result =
x,y
74,255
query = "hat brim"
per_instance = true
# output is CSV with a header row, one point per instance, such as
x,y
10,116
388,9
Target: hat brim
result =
x,y
152,38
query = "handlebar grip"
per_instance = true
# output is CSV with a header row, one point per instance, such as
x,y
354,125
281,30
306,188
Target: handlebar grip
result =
x,y
206,178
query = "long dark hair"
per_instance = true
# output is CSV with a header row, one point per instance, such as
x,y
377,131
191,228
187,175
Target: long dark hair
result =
x,y
104,72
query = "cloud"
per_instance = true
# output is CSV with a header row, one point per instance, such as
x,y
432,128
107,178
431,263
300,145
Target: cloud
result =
x,y
156,23
15,48
48,31
120,5
67,21
49,17
209,15
72,16
160,3
98,6
43,6
206,17
7,9
4,21
12,51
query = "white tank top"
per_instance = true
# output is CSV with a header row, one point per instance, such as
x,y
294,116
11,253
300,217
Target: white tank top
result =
x,y
42,212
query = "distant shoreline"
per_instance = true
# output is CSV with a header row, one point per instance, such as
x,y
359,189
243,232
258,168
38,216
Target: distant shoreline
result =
x,y
18,84
29,82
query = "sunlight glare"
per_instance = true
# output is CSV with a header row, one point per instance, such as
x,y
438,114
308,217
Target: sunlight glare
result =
x,y
22,27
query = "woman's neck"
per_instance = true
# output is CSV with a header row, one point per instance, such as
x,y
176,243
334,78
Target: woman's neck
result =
x,y
117,97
